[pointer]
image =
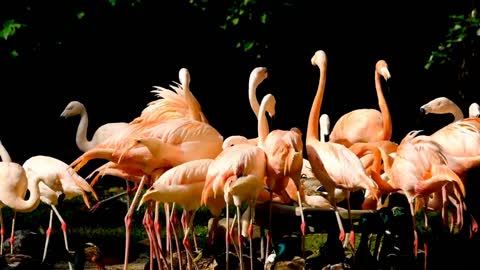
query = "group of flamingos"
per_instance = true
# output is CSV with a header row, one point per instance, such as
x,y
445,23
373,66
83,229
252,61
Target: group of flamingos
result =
x,y
180,158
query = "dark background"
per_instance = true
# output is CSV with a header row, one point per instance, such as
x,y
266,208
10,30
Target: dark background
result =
x,y
110,59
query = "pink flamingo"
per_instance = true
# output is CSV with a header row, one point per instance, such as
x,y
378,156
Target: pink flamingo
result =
x,y
237,174
13,188
333,163
58,178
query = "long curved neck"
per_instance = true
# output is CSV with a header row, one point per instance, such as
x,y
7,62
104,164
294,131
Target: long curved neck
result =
x,y
4,154
457,112
195,108
263,128
312,128
33,200
387,119
81,138
252,97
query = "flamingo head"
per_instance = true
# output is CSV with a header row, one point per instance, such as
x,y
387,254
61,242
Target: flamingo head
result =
x,y
439,105
73,108
319,58
382,68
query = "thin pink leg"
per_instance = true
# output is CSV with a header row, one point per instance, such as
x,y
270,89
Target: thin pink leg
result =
x,y
174,221
168,229
64,230
47,235
128,221
12,235
2,232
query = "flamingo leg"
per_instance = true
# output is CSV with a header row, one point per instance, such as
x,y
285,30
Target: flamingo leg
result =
x,y
230,233
12,235
250,231
168,229
128,221
269,232
2,232
352,233
303,226
174,221
227,235
47,235
239,235
157,229
189,217
195,242
64,230
425,244
341,236
415,235
148,224
128,191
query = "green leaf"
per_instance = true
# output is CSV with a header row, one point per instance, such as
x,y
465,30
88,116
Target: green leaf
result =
x,y
235,21
14,53
9,29
263,18
113,2
248,45
80,15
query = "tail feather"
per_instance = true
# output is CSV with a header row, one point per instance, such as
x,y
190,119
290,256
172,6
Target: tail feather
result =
x,y
83,184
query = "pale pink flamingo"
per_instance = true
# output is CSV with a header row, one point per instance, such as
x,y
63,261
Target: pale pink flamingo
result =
x,y
333,163
13,186
75,108
419,169
237,174
257,76
459,140
366,125
182,132
58,178
284,151
444,105
183,185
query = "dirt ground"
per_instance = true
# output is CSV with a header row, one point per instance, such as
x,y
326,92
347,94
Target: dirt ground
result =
x,y
136,265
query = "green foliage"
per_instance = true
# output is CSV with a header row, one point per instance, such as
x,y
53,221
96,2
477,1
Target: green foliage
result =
x,y
459,42
9,28
238,18
80,15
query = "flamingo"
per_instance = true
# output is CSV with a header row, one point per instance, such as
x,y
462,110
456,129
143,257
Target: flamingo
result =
x,y
366,125
444,105
183,133
257,76
58,178
179,103
13,186
183,185
333,163
283,149
236,174
77,108
459,140
419,169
